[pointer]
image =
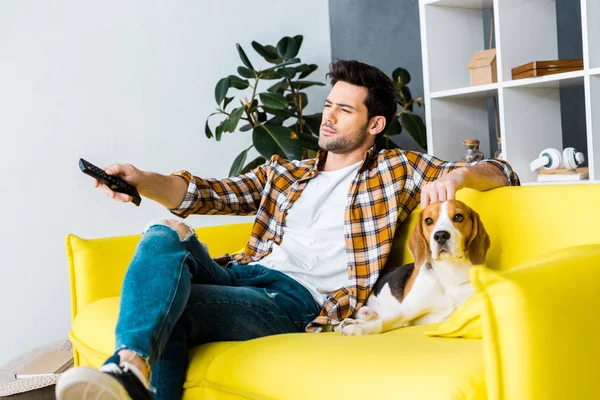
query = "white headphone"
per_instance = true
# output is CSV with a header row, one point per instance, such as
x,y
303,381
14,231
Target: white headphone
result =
x,y
553,159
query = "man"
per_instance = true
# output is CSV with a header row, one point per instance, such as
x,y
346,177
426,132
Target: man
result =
x,y
322,233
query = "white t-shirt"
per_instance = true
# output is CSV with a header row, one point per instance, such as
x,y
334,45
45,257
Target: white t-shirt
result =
x,y
312,250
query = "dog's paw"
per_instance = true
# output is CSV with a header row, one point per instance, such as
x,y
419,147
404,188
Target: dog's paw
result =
x,y
366,314
345,322
353,330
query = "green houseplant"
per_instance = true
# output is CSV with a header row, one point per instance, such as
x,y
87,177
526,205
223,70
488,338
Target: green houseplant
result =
x,y
265,113
404,119
276,116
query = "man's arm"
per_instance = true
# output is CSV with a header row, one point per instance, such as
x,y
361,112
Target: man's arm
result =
x,y
434,179
482,177
166,190
184,194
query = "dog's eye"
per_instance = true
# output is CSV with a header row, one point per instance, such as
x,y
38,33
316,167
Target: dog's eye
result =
x,y
459,218
428,221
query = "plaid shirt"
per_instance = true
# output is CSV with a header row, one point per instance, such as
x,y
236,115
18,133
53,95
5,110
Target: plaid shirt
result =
x,y
385,190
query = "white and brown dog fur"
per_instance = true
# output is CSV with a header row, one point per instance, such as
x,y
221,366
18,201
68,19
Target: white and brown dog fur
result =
x,y
447,241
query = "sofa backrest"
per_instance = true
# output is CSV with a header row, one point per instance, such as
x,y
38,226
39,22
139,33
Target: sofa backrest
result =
x,y
97,266
524,222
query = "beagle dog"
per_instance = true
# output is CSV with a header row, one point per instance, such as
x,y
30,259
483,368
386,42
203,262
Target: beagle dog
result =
x,y
447,241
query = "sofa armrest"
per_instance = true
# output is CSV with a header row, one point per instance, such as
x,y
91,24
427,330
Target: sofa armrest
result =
x,y
97,266
540,326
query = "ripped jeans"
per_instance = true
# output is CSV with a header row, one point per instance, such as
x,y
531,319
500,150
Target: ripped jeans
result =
x,y
175,296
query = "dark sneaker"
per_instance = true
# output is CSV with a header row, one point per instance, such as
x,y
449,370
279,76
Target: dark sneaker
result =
x,y
112,381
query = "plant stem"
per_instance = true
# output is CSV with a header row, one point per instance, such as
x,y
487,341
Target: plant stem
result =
x,y
251,117
298,101
406,105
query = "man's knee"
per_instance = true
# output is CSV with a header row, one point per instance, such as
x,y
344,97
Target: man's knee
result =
x,y
183,230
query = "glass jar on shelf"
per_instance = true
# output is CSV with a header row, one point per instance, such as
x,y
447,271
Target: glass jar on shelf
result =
x,y
472,152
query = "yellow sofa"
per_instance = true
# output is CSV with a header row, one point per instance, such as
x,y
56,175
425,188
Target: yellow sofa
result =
x,y
535,310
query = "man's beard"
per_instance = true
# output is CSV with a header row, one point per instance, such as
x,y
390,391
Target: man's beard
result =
x,y
344,144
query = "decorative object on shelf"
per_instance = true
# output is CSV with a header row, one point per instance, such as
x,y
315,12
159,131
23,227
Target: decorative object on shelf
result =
x,y
563,175
482,67
472,152
266,112
552,159
405,118
542,68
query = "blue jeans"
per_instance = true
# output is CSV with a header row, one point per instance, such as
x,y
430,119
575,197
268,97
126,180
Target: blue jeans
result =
x,y
175,296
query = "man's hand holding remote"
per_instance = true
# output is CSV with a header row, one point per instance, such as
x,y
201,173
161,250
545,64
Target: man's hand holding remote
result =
x,y
166,190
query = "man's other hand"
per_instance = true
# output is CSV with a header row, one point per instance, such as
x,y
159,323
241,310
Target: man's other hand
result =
x,y
444,188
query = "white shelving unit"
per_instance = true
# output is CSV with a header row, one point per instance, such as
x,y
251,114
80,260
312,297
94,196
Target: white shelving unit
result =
x,y
529,110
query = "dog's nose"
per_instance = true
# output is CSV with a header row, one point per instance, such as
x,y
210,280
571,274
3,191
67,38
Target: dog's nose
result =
x,y
441,236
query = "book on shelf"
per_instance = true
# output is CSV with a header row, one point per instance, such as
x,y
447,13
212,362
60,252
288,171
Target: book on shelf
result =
x,y
49,363
562,177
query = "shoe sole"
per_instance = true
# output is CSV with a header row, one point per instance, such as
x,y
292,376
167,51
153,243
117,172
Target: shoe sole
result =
x,y
83,383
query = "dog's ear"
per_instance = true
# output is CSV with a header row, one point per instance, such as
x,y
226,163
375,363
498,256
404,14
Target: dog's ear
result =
x,y
479,242
417,244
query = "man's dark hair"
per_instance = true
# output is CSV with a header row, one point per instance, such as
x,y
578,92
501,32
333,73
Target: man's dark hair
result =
x,y
381,97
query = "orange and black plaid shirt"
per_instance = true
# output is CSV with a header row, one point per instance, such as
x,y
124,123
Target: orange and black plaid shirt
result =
x,y
384,191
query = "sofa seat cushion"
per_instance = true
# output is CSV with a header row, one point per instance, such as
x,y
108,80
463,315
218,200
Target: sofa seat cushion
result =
x,y
404,363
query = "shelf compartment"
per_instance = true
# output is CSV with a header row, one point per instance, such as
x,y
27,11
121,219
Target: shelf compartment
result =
x,y
592,10
452,35
535,118
456,119
529,32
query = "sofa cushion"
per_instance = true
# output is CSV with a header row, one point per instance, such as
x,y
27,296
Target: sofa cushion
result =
x,y
404,363
465,322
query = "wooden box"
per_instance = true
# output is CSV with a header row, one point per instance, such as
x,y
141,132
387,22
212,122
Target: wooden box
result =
x,y
541,68
482,67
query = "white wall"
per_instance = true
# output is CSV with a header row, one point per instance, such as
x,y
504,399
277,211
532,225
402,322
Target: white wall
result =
x,y
112,81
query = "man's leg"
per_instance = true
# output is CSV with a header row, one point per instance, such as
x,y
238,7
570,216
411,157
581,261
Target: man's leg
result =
x,y
157,286
155,292
231,313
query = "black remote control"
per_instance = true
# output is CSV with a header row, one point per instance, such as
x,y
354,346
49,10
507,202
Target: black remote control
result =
x,y
114,183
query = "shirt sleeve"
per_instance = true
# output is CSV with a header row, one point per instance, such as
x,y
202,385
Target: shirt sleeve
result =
x,y
426,168
238,195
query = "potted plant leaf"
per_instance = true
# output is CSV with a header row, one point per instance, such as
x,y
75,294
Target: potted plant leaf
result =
x,y
275,116
404,119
